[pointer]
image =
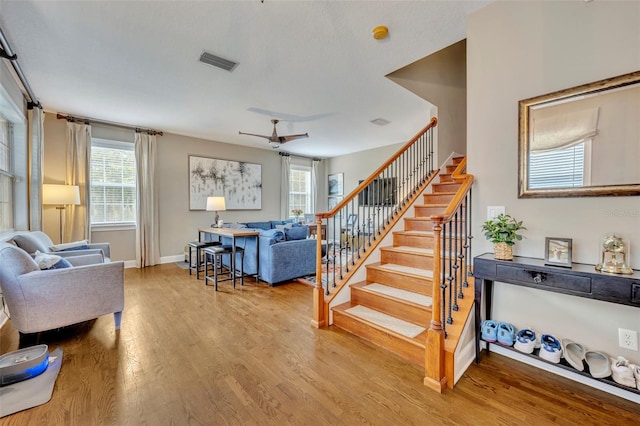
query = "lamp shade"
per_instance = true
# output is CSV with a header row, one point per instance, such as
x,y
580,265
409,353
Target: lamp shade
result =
x,y
215,204
60,194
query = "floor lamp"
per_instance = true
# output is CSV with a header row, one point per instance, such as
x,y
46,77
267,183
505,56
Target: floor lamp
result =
x,y
216,204
60,196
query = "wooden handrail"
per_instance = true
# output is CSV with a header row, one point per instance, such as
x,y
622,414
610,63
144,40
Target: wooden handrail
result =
x,y
353,194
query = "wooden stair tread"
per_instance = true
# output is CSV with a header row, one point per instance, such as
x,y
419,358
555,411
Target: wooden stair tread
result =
x,y
407,270
404,296
415,232
418,340
409,249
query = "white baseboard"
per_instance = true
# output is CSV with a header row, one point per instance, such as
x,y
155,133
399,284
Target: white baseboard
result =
x,y
165,259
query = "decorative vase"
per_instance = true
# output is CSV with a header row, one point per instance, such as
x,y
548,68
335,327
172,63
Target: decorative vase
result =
x,y
502,251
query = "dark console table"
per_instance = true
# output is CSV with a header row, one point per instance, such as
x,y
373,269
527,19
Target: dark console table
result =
x,y
580,280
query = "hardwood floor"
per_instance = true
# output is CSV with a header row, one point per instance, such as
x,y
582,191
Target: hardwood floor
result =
x,y
249,356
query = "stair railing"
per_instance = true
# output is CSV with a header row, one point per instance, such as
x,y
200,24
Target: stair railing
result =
x,y
452,257
356,224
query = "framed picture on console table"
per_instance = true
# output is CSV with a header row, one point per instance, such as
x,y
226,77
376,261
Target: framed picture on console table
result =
x,y
239,182
558,251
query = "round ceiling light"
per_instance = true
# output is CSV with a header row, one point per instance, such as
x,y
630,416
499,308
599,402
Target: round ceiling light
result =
x,y
380,32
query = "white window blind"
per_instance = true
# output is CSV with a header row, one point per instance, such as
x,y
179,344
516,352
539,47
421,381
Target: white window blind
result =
x,y
6,177
558,168
300,189
113,182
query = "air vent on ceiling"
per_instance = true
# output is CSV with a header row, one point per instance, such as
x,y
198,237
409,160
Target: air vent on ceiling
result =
x,y
380,121
217,61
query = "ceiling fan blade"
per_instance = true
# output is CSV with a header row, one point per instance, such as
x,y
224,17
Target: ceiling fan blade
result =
x,y
253,134
290,138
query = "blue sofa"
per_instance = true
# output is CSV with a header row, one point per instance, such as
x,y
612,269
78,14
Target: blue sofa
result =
x,y
285,253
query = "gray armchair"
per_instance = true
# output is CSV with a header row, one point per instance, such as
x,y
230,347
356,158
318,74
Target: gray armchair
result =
x,y
44,300
30,241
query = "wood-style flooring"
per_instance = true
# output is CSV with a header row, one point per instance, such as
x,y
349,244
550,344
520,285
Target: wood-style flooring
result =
x,y
187,355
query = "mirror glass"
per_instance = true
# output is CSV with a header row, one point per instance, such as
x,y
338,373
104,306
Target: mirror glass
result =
x,y
583,141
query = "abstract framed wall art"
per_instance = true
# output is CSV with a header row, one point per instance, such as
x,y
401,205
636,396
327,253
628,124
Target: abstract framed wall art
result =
x,y
239,182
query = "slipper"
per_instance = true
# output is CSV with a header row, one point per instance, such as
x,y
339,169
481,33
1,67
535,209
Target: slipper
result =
x,y
506,334
490,331
573,353
550,348
525,340
598,363
622,372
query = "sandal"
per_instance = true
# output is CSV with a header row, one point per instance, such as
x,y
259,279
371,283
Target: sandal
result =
x,y
525,340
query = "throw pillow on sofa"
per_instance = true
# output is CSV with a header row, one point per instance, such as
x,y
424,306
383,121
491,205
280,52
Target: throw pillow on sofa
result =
x,y
275,234
51,261
296,233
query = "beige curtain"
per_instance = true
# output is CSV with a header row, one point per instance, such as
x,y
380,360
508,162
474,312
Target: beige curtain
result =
x,y
35,117
147,225
315,189
77,225
285,161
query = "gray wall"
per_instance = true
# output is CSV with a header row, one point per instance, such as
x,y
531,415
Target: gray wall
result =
x,y
178,224
518,50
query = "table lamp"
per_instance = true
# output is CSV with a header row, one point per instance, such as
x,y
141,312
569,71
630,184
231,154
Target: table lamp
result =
x,y
60,196
216,204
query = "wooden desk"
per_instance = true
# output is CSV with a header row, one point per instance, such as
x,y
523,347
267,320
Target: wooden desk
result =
x,y
233,233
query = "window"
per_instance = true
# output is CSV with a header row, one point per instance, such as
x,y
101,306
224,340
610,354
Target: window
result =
x,y
113,182
560,168
6,178
300,189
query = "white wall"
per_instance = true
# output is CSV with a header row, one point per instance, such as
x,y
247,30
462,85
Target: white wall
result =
x,y
518,50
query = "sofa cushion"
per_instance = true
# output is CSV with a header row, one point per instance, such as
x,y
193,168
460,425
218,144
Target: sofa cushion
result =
x,y
258,225
51,261
274,234
296,233
275,223
75,245
33,241
234,225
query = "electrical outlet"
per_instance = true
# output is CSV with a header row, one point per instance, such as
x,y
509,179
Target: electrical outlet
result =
x,y
493,211
628,339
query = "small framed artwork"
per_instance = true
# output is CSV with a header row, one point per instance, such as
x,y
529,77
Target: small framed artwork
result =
x,y
336,184
557,251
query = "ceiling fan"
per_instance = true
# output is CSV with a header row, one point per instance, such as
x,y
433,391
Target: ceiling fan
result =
x,y
276,140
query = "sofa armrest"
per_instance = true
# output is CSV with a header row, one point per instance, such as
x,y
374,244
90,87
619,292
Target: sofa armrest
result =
x,y
287,260
50,299
105,247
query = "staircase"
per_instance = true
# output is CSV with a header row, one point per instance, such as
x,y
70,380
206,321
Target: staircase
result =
x,y
392,307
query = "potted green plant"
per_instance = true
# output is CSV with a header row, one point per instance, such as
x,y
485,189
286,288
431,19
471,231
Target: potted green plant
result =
x,y
502,231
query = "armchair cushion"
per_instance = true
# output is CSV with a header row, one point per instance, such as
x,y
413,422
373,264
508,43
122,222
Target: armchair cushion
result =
x,y
33,241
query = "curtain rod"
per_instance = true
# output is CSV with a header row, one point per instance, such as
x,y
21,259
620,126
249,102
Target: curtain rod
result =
x,y
107,123
7,53
286,154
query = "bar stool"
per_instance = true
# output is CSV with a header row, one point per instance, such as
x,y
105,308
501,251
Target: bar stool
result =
x,y
198,246
214,256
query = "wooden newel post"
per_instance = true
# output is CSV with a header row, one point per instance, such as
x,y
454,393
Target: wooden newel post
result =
x,y
319,306
435,377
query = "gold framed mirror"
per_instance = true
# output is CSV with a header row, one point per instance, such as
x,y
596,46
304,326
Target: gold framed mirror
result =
x,y
582,141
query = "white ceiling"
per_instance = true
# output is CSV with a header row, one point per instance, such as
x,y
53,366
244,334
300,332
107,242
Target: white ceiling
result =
x,y
312,64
